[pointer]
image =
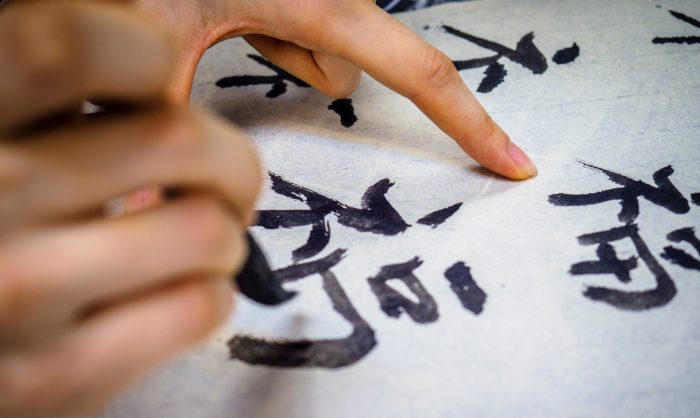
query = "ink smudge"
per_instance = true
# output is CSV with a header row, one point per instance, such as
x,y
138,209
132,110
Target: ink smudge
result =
x,y
566,55
344,109
467,290
439,216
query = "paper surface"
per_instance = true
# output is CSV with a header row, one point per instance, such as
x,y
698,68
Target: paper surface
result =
x,y
541,345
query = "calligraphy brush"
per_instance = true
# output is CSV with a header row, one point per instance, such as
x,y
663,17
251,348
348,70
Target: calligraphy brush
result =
x,y
256,279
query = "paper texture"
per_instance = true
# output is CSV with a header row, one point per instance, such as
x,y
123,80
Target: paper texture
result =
x,y
537,341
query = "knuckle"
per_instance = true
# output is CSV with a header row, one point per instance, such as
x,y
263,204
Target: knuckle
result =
x,y
247,185
206,223
485,124
179,142
17,295
208,303
341,87
437,69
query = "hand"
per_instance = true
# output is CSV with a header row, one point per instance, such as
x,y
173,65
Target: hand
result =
x,y
87,303
326,42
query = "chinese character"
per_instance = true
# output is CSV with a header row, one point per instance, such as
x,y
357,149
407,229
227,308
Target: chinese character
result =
x,y
608,262
525,53
665,194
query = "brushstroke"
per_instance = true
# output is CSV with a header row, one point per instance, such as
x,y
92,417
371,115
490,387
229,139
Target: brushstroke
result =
x,y
434,219
394,303
665,194
344,109
467,290
679,256
375,215
324,353
660,295
566,55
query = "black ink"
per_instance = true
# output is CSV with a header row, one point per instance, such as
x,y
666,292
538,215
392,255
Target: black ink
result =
x,y
344,109
319,237
566,55
436,218
493,76
376,215
665,194
396,6
393,303
329,353
685,18
690,40
607,263
299,271
695,197
525,53
469,293
678,256
278,81
664,291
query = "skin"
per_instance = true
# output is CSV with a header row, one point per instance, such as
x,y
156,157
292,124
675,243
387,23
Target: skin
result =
x,y
80,290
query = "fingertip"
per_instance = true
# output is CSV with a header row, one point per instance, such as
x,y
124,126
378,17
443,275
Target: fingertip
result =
x,y
525,167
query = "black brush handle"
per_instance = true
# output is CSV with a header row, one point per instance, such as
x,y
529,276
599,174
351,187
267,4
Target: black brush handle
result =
x,y
257,280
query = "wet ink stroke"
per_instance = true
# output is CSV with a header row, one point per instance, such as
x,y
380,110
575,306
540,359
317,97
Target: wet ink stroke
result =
x,y
344,109
664,195
375,214
467,290
327,353
279,84
394,303
434,219
689,40
278,81
659,296
678,256
525,54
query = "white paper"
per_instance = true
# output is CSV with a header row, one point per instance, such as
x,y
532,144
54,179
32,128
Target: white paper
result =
x,y
540,348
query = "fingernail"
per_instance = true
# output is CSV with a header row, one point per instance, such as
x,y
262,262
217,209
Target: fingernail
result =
x,y
522,160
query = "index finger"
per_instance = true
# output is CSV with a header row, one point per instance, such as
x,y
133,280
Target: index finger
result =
x,y
397,57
